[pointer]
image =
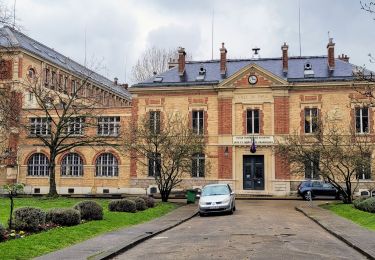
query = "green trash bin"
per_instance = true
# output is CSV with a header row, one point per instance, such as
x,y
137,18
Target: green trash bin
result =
x,y
190,196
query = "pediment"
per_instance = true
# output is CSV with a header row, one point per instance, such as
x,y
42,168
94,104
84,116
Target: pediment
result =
x,y
240,79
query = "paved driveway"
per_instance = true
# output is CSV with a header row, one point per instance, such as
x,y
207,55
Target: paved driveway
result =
x,y
258,230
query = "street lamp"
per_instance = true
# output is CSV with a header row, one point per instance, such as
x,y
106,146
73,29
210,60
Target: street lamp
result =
x,y
226,151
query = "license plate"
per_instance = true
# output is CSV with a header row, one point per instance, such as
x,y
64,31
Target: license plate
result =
x,y
214,207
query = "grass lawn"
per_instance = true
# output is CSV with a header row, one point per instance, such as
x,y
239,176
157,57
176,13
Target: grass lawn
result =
x,y
362,218
54,239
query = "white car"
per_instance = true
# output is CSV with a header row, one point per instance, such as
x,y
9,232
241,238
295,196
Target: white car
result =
x,y
217,198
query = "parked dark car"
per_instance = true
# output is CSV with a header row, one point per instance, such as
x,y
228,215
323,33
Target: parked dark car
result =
x,y
317,188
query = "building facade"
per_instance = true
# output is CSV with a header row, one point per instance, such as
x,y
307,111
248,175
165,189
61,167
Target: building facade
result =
x,y
245,106
84,169
241,106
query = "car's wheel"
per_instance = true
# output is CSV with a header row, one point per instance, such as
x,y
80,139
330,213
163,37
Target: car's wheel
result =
x,y
201,214
234,208
307,195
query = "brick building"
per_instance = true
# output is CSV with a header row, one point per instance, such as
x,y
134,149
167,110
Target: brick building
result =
x,y
233,102
238,102
83,169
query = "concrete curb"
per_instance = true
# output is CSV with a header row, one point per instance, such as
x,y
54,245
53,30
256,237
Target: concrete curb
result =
x,y
332,232
122,248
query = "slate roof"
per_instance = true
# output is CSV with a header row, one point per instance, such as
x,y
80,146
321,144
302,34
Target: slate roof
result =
x,y
11,38
343,71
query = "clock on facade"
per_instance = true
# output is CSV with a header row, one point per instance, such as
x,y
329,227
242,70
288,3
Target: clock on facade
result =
x,y
253,79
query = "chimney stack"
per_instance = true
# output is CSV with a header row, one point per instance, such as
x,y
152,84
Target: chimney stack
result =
x,y
126,86
223,60
343,57
284,49
331,54
181,61
115,80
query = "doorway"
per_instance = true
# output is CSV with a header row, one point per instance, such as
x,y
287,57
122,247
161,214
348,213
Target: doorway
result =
x,y
253,172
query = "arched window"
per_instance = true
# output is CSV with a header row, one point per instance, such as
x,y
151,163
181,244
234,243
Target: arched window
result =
x,y
37,165
198,163
72,165
31,73
106,165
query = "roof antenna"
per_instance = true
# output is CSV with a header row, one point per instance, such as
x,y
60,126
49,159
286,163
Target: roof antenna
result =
x,y
299,27
212,34
14,14
85,47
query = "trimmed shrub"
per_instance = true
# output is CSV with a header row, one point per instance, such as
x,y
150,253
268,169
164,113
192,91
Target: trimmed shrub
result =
x,y
126,205
367,205
64,217
90,210
140,204
2,233
112,205
29,218
150,201
357,202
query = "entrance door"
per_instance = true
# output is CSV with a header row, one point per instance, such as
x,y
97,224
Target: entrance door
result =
x,y
253,172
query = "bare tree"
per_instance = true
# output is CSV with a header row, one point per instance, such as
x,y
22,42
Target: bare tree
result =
x,y
338,156
166,148
63,118
153,61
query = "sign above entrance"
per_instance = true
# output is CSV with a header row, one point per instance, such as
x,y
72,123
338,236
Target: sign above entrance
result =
x,y
248,140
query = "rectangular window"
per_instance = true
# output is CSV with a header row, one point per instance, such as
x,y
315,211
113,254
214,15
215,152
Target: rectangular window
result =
x,y
198,122
198,165
65,84
53,81
75,126
363,171
154,164
31,96
252,121
154,122
73,90
40,126
362,120
46,76
312,167
109,126
311,120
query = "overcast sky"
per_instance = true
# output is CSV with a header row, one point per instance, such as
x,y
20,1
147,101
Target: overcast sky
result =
x,y
117,32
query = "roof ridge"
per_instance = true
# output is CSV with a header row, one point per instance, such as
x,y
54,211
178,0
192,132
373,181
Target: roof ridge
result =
x,y
260,59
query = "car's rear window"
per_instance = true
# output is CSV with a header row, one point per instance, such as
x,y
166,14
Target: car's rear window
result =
x,y
215,190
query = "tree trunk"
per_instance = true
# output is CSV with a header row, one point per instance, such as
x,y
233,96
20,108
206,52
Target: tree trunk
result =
x,y
52,180
11,211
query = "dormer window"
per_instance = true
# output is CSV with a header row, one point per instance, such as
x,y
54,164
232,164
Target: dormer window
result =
x,y
308,71
202,74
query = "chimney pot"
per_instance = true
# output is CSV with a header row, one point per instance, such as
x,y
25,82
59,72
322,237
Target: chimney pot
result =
x,y
331,54
181,61
223,60
115,80
126,86
284,49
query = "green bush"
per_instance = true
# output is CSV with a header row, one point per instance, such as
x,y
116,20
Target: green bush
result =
x,y
150,201
357,202
2,233
368,205
90,210
29,218
112,205
64,217
124,205
140,204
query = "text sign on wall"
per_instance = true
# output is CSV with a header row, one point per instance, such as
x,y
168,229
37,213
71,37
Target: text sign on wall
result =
x,y
248,140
